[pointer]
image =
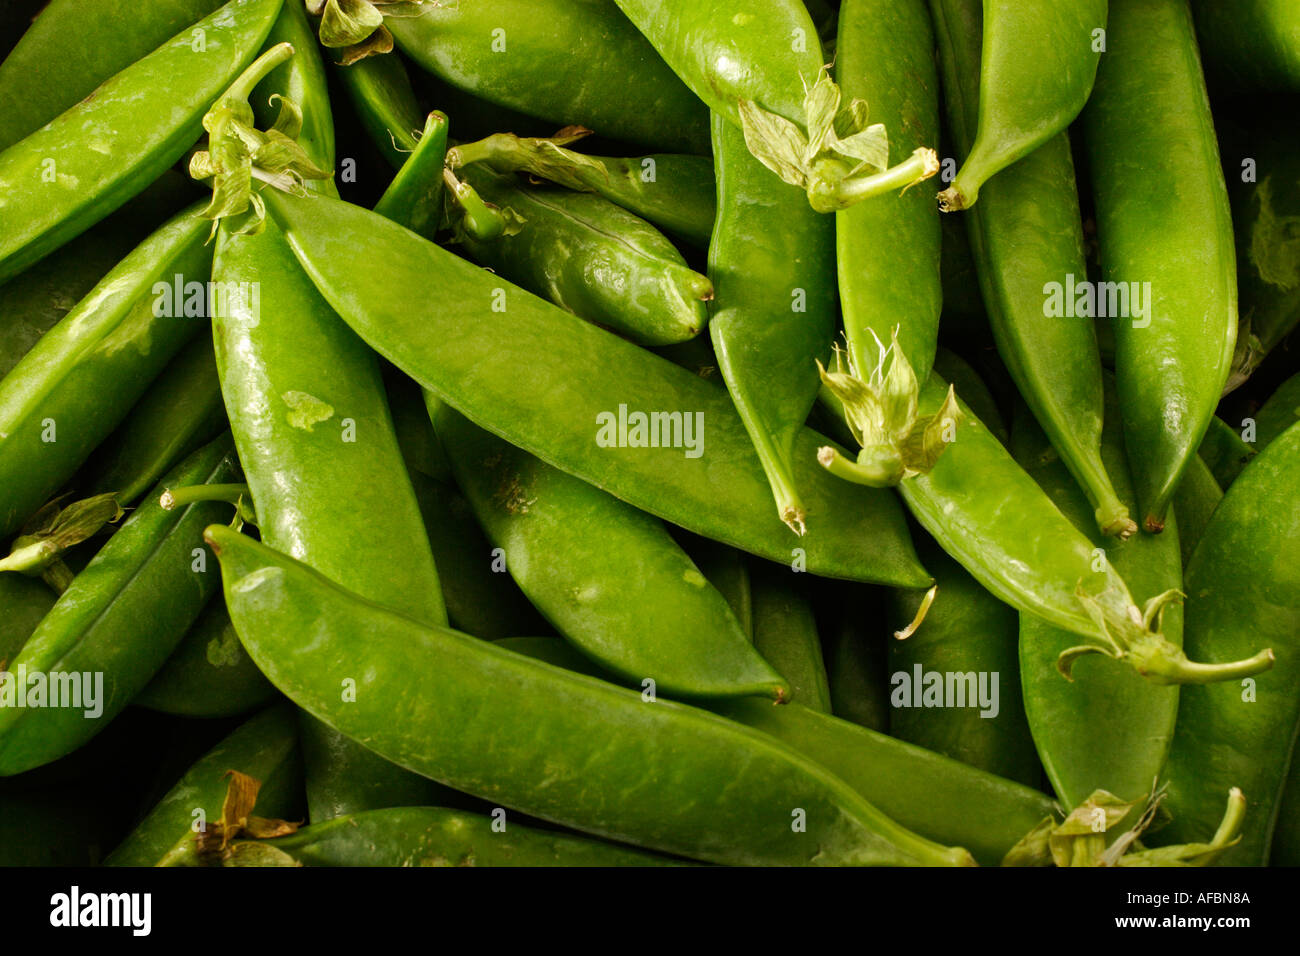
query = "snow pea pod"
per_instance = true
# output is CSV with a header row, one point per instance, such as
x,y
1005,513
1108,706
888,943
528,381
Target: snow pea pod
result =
x,y
72,172
1243,586
771,260
726,569
1165,235
115,625
1279,413
659,619
265,747
568,61
1038,64
513,376
81,379
785,633
1026,237
1251,45
414,197
731,792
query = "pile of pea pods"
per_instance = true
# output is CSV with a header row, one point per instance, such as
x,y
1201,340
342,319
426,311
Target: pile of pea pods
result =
x,y
650,432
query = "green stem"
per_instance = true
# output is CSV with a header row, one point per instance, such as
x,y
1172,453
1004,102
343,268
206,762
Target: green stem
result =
x,y
481,220
234,494
1168,665
58,576
242,88
831,196
842,467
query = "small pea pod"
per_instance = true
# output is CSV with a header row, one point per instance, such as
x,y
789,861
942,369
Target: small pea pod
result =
x,y
1165,235
414,197
1251,45
734,790
1038,64
785,633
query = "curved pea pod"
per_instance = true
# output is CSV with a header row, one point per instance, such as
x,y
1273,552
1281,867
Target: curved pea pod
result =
x,y
26,602
113,628
1038,64
415,196
1243,588
593,259
81,166
1251,45
380,90
1279,413
771,260
559,744
506,361
1165,235
209,674
1109,729
431,836
657,619
568,62
1224,451
785,633
265,748
80,380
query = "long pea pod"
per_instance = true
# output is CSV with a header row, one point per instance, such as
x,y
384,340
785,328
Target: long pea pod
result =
x,y
1251,45
1165,235
1038,63
81,166
773,312
785,633
513,376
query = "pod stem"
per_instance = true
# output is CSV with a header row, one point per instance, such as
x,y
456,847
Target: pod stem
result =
x,y
841,466
234,494
829,196
480,220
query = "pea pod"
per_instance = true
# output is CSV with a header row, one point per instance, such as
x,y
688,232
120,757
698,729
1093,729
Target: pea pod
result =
x,y
970,386
1243,586
1038,64
773,314
1197,497
26,601
113,628
1252,45
1279,413
785,633
414,197
726,569
1224,451
1165,233
140,121
475,366
733,789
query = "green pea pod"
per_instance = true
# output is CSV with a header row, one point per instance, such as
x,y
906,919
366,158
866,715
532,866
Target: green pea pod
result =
x,y
1251,45
1279,413
265,747
1038,64
385,102
26,601
726,569
209,674
514,375
1197,496
419,445
1026,237
560,536
857,668
785,633
73,46
113,628
773,314
1165,234
431,836
1224,451
593,259
73,388
181,411
1243,586
414,197
81,166
970,386
1106,702
536,749
568,61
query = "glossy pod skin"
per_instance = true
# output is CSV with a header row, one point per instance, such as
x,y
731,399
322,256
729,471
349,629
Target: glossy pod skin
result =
x,y
432,836
659,619
771,260
265,748
415,196
1025,234
111,145
568,61
785,633
84,375
731,790
120,617
510,372
1243,587
1251,45
1038,63
1162,218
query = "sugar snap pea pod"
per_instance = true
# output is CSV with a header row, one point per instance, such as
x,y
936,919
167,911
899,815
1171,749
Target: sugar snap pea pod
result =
x,y
494,371
414,197
1225,451
80,380
209,674
773,313
1197,496
660,620
81,166
1279,413
732,793
73,46
989,515
113,628
1243,586
1165,234
593,259
1038,64
265,748
1026,237
181,411
726,569
1109,729
1251,45
785,633
431,836
26,601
